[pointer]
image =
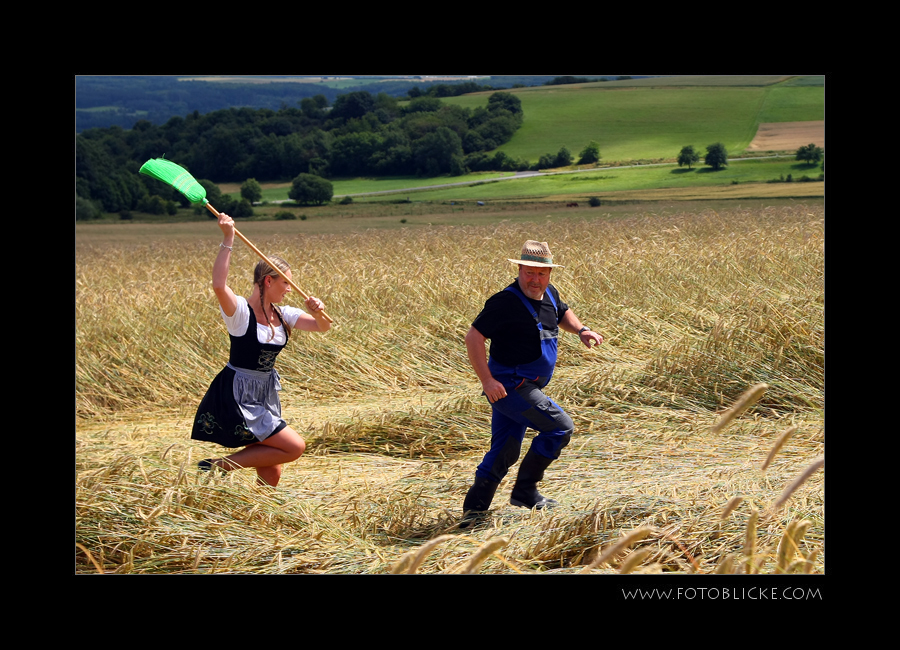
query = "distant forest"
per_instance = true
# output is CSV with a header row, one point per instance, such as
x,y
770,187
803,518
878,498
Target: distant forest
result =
x,y
103,101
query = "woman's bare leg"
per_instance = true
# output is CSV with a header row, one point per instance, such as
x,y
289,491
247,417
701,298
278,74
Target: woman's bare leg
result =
x,y
267,456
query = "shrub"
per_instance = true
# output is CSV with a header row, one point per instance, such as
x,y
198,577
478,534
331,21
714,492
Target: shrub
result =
x,y
563,157
308,188
547,161
152,205
251,190
85,209
347,200
594,201
242,209
590,154
227,204
284,215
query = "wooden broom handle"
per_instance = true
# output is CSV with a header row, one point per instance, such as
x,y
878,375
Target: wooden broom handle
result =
x,y
318,315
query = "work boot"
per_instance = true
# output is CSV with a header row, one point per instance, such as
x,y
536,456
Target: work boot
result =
x,y
478,500
524,492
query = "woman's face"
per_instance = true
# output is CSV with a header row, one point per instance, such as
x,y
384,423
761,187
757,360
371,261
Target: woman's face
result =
x,y
277,287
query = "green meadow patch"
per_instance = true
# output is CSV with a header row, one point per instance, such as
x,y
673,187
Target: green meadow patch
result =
x,y
793,104
351,186
620,179
343,187
587,181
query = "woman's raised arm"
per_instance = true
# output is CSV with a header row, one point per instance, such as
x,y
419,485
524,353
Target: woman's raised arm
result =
x,y
226,296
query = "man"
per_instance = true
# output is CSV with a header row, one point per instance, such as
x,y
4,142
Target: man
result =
x,y
523,323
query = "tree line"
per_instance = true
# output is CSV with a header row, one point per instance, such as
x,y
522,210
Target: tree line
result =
x,y
717,156
359,134
569,79
103,101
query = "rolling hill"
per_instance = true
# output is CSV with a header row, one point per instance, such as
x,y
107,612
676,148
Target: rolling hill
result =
x,y
653,118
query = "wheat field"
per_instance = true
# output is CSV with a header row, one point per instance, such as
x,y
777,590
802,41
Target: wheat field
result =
x,y
699,441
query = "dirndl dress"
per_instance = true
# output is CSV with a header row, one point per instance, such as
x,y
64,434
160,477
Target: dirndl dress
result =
x,y
242,405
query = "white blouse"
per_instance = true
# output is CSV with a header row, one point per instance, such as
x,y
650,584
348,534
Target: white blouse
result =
x,y
237,324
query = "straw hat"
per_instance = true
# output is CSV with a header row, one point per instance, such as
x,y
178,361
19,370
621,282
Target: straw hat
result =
x,y
535,253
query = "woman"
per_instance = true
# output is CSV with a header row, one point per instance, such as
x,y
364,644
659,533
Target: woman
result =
x,y
241,407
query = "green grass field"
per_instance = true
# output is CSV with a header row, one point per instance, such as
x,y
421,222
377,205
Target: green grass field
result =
x,y
642,122
619,179
279,191
798,103
589,181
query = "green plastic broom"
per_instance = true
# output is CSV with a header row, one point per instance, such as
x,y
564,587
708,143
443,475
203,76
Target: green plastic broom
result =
x,y
179,178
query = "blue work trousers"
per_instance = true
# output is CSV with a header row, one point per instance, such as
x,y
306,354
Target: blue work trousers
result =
x,y
524,406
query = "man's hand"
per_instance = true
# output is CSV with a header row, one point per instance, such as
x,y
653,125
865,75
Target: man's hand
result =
x,y
493,390
590,338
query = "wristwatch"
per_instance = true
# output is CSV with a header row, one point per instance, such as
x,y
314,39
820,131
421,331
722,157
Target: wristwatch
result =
x,y
583,329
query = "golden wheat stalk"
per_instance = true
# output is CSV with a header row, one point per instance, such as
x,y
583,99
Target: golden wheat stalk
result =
x,y
733,503
790,544
797,482
783,438
486,549
745,401
624,542
634,560
726,565
809,561
410,561
786,549
800,566
750,540
90,557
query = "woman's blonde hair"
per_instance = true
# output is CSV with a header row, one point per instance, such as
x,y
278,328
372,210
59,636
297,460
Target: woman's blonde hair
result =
x,y
260,273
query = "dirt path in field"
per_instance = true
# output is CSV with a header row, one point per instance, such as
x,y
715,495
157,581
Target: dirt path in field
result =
x,y
788,136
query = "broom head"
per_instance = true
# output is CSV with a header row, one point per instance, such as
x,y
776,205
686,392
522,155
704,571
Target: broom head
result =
x,y
176,176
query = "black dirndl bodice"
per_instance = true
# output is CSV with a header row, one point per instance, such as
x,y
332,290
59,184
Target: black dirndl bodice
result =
x,y
241,405
247,352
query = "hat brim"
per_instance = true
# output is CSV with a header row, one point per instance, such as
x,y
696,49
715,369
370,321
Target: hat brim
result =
x,y
530,263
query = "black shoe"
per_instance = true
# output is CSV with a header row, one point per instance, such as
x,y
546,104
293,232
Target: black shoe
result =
x,y
208,465
525,493
478,500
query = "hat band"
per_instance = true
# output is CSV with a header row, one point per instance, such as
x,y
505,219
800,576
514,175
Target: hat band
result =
x,y
536,258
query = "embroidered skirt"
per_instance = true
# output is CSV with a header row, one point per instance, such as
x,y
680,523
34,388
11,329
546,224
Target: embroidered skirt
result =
x,y
241,407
